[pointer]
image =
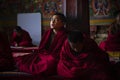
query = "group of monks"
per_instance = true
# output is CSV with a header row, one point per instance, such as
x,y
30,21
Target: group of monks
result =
x,y
67,55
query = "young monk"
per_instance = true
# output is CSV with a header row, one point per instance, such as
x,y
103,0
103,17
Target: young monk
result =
x,y
45,61
6,59
81,59
112,43
21,37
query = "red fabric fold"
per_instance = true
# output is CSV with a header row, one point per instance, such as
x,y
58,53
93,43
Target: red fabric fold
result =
x,y
23,40
112,43
46,60
90,64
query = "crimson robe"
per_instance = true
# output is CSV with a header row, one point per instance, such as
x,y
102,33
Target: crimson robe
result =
x,y
6,59
112,43
23,40
45,61
90,64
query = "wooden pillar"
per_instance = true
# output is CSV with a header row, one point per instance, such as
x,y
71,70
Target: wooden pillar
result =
x,y
77,12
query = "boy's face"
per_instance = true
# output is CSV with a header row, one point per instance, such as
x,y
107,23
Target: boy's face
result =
x,y
56,22
77,47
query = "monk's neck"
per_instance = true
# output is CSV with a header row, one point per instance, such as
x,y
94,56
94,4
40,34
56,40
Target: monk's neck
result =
x,y
55,30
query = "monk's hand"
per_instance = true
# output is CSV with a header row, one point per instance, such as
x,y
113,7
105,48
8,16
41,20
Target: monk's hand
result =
x,y
20,54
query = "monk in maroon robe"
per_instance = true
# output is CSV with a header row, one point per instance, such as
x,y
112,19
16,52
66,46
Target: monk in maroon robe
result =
x,y
82,59
6,59
45,62
112,43
21,37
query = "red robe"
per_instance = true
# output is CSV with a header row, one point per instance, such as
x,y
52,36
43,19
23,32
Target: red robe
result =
x,y
112,43
6,59
45,61
90,64
23,40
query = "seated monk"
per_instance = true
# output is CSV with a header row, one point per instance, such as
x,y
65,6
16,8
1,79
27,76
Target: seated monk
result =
x,y
45,61
21,37
112,44
82,59
6,59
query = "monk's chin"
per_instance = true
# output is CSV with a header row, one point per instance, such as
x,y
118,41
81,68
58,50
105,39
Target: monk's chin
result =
x,y
52,28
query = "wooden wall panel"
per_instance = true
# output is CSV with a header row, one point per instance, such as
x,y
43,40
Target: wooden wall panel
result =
x,y
83,15
77,12
71,8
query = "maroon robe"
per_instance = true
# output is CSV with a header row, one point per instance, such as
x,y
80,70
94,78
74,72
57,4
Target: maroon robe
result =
x,y
90,64
23,40
6,59
112,43
45,61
